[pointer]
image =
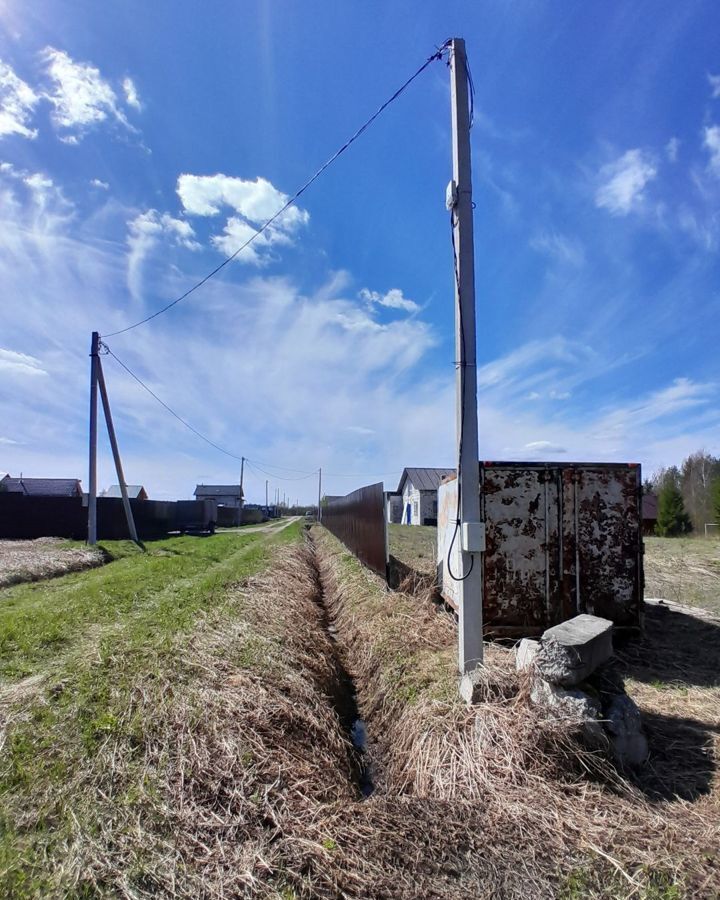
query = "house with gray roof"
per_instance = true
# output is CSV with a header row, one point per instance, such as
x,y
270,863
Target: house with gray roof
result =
x,y
223,494
418,489
134,491
42,487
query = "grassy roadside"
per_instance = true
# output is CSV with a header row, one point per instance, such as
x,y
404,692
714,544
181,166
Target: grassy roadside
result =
x,y
685,570
541,803
85,658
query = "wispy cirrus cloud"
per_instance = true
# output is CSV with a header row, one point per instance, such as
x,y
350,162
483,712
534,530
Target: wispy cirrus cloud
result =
x,y
132,98
711,142
559,247
393,299
144,232
81,97
22,364
17,104
623,182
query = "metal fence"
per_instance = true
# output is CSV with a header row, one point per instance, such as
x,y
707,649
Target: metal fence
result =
x,y
359,521
33,517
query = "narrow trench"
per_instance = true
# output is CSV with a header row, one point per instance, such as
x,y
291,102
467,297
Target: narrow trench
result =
x,y
343,692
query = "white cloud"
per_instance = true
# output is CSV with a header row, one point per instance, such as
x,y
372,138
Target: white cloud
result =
x,y
13,363
624,181
17,102
711,142
7,442
714,85
100,185
81,97
131,94
671,149
237,232
544,447
144,232
254,203
393,299
564,249
559,395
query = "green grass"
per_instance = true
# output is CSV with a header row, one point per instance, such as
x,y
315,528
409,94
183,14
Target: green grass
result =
x,y
162,588
415,545
96,638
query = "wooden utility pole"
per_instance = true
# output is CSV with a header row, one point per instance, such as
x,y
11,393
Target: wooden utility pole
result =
x,y
319,494
116,452
92,475
470,531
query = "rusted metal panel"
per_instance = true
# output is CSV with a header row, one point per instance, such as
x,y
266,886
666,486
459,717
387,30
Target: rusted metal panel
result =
x,y
358,520
560,539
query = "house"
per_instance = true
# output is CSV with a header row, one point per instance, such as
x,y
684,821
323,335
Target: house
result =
x,y
223,494
134,491
42,487
393,507
418,489
649,513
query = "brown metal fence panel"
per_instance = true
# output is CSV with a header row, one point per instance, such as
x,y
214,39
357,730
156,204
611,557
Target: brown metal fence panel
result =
x,y
358,520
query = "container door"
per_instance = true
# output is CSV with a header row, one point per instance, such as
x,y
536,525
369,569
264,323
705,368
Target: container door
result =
x,y
522,556
602,524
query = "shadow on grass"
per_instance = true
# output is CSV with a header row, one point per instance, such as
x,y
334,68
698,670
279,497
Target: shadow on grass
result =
x,y
682,762
676,648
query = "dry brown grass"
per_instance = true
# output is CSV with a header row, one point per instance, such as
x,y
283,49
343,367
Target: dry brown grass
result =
x,y
548,808
43,558
685,570
228,772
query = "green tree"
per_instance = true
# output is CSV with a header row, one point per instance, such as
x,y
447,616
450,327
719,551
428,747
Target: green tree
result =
x,y
672,519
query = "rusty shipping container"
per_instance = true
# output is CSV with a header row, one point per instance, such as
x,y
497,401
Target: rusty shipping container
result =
x,y
359,521
561,539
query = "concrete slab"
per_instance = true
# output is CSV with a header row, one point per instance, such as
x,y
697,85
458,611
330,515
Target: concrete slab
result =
x,y
571,651
525,655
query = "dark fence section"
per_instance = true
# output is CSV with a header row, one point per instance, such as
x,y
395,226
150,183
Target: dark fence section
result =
x,y
232,517
34,517
358,520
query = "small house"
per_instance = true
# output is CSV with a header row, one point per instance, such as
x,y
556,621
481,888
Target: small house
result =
x,y
134,491
42,487
649,513
223,494
418,489
393,507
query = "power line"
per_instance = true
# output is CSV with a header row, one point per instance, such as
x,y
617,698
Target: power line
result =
x,y
294,198
169,409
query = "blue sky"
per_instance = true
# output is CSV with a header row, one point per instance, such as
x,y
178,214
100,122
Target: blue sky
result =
x,y
141,142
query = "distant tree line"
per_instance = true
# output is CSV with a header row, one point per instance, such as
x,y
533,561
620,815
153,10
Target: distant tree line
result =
x,y
688,495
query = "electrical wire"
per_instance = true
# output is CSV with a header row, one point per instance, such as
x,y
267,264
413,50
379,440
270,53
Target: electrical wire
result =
x,y
293,199
168,408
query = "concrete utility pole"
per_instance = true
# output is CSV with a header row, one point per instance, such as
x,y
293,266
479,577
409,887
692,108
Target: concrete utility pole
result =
x,y
116,453
470,530
319,494
267,508
242,497
92,476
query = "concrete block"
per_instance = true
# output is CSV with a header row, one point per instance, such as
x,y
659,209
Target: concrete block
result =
x,y
577,708
624,725
571,651
471,686
525,654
